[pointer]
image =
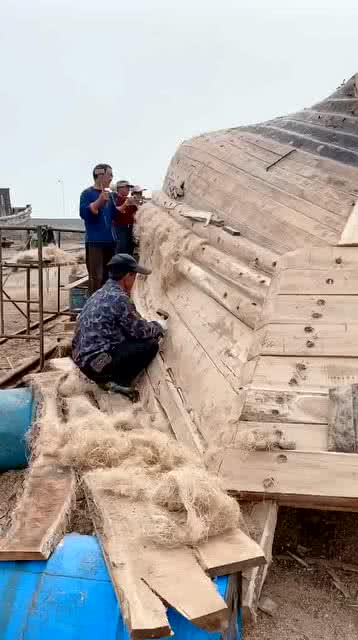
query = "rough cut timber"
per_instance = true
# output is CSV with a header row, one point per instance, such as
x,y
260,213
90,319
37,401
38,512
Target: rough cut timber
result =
x,y
143,575
230,553
41,515
264,517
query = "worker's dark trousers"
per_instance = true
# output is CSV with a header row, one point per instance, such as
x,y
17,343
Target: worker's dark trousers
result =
x,y
97,257
123,238
127,362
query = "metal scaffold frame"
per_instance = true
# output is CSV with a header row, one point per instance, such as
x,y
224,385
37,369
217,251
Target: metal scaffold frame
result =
x,y
5,297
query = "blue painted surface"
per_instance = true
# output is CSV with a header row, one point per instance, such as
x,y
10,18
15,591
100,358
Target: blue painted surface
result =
x,y
78,298
70,597
15,418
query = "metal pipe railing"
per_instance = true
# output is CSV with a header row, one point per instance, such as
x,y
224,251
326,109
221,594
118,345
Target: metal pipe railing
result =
x,y
40,264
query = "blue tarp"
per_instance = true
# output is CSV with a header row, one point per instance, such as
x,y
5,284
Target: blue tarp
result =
x,y
70,597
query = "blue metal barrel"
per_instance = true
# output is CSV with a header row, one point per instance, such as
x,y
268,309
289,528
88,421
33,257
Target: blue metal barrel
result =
x,y
70,597
78,298
16,406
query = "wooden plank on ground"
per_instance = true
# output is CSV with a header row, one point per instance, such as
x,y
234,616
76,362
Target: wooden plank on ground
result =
x,y
144,574
143,612
343,415
306,340
41,515
230,553
264,517
295,478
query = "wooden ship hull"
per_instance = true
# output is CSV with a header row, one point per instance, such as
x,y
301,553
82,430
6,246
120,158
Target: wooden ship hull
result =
x,y
252,243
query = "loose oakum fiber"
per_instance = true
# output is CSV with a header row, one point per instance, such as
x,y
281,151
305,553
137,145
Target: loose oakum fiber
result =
x,y
51,254
163,242
183,502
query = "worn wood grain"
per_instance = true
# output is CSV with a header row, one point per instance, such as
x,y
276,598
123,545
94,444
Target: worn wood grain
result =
x,y
306,340
336,258
292,373
41,515
322,282
264,518
168,397
310,479
230,553
310,310
225,338
144,574
305,436
266,405
228,296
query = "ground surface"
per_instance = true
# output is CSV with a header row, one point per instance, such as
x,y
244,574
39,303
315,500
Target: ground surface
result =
x,y
310,606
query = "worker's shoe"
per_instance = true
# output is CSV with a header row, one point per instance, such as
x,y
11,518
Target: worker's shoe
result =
x,y
129,392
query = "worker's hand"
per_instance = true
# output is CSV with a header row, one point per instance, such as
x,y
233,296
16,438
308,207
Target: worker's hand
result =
x,y
130,201
103,198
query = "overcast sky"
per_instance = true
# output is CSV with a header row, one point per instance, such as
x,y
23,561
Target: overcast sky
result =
x,y
125,82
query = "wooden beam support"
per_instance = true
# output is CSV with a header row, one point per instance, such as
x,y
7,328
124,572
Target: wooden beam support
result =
x,y
264,517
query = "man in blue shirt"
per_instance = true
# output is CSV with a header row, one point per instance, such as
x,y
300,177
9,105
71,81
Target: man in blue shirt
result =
x,y
97,208
112,343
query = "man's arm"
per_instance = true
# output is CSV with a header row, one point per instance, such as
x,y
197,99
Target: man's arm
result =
x,y
89,206
134,326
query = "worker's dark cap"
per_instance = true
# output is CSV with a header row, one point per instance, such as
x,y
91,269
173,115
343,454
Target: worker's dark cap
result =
x,y
124,263
123,183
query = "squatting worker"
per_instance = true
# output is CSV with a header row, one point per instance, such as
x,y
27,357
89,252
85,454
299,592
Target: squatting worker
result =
x,y
97,208
123,220
112,342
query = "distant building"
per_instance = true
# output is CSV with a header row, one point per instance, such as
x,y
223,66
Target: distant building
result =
x,y
12,215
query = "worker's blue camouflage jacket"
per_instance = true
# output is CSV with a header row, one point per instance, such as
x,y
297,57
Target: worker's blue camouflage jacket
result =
x,y
108,319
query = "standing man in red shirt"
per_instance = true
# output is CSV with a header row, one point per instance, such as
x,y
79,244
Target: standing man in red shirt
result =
x,y
123,220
